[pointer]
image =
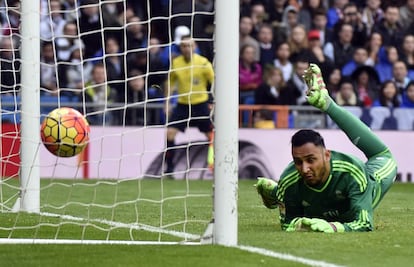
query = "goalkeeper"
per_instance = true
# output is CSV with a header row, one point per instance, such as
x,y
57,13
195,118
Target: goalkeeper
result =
x,y
329,191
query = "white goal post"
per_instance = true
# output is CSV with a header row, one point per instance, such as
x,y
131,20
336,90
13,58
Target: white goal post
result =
x,y
42,195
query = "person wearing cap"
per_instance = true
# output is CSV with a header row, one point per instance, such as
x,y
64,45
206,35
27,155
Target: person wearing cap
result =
x,y
316,53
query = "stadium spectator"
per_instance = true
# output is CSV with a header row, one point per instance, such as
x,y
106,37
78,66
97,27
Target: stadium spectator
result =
x,y
319,22
296,86
114,63
71,10
372,14
245,31
272,88
51,25
135,97
389,27
76,72
359,58
193,100
407,54
48,70
90,28
65,43
99,95
155,77
400,76
91,22
250,74
275,10
10,76
316,54
282,60
408,96
11,24
290,20
341,50
335,13
245,7
346,95
258,16
298,43
308,10
204,27
385,63
333,81
135,34
374,48
328,191
267,48
388,96
407,14
366,82
352,16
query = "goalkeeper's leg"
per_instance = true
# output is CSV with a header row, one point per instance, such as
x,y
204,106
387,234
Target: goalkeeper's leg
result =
x,y
354,128
381,165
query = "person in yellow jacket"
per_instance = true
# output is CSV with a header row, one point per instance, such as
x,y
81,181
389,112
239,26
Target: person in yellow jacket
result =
x,y
99,95
191,76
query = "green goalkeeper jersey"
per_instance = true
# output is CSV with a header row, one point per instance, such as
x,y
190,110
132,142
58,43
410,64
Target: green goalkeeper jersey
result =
x,y
347,196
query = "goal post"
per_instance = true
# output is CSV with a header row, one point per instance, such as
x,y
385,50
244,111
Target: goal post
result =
x,y
226,122
30,106
128,199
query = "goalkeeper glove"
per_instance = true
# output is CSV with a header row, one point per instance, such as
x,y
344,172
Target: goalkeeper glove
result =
x,y
267,190
296,225
320,225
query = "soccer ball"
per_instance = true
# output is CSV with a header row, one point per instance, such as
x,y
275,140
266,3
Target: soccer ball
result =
x,y
65,132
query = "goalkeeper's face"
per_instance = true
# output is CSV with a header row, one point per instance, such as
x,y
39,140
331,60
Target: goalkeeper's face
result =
x,y
312,162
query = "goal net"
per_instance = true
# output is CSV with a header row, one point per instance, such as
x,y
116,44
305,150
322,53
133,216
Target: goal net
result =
x,y
112,60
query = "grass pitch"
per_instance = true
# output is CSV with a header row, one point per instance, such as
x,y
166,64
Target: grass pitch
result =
x,y
187,206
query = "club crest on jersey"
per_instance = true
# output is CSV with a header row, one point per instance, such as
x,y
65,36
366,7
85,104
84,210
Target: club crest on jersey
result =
x,y
305,203
339,194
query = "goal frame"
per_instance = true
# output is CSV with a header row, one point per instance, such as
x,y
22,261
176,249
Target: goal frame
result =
x,y
224,230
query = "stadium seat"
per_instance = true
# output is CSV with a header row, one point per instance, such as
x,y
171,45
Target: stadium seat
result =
x,y
357,111
405,118
382,119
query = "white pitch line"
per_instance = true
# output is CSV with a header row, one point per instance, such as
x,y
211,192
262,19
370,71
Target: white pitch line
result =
x,y
288,257
187,236
135,226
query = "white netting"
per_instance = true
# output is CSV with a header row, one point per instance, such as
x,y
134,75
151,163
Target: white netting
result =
x,y
109,60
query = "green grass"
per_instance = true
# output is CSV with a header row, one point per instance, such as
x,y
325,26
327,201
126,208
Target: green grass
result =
x,y
391,244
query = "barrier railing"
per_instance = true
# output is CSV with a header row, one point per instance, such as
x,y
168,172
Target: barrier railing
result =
x,y
378,118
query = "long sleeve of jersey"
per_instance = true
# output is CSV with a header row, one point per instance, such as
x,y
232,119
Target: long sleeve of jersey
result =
x,y
359,134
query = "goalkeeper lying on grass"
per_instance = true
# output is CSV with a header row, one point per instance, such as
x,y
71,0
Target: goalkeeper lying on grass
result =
x,y
328,191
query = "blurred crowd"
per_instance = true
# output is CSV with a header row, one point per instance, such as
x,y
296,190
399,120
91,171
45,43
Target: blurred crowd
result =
x,y
364,48
119,52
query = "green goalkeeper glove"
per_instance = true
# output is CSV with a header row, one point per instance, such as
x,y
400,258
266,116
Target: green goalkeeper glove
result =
x,y
296,225
320,225
267,190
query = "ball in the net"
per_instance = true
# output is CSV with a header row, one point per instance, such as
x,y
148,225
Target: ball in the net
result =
x,y
65,132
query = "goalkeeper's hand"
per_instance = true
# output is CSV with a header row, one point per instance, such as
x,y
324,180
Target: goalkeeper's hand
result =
x,y
320,225
314,225
267,189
